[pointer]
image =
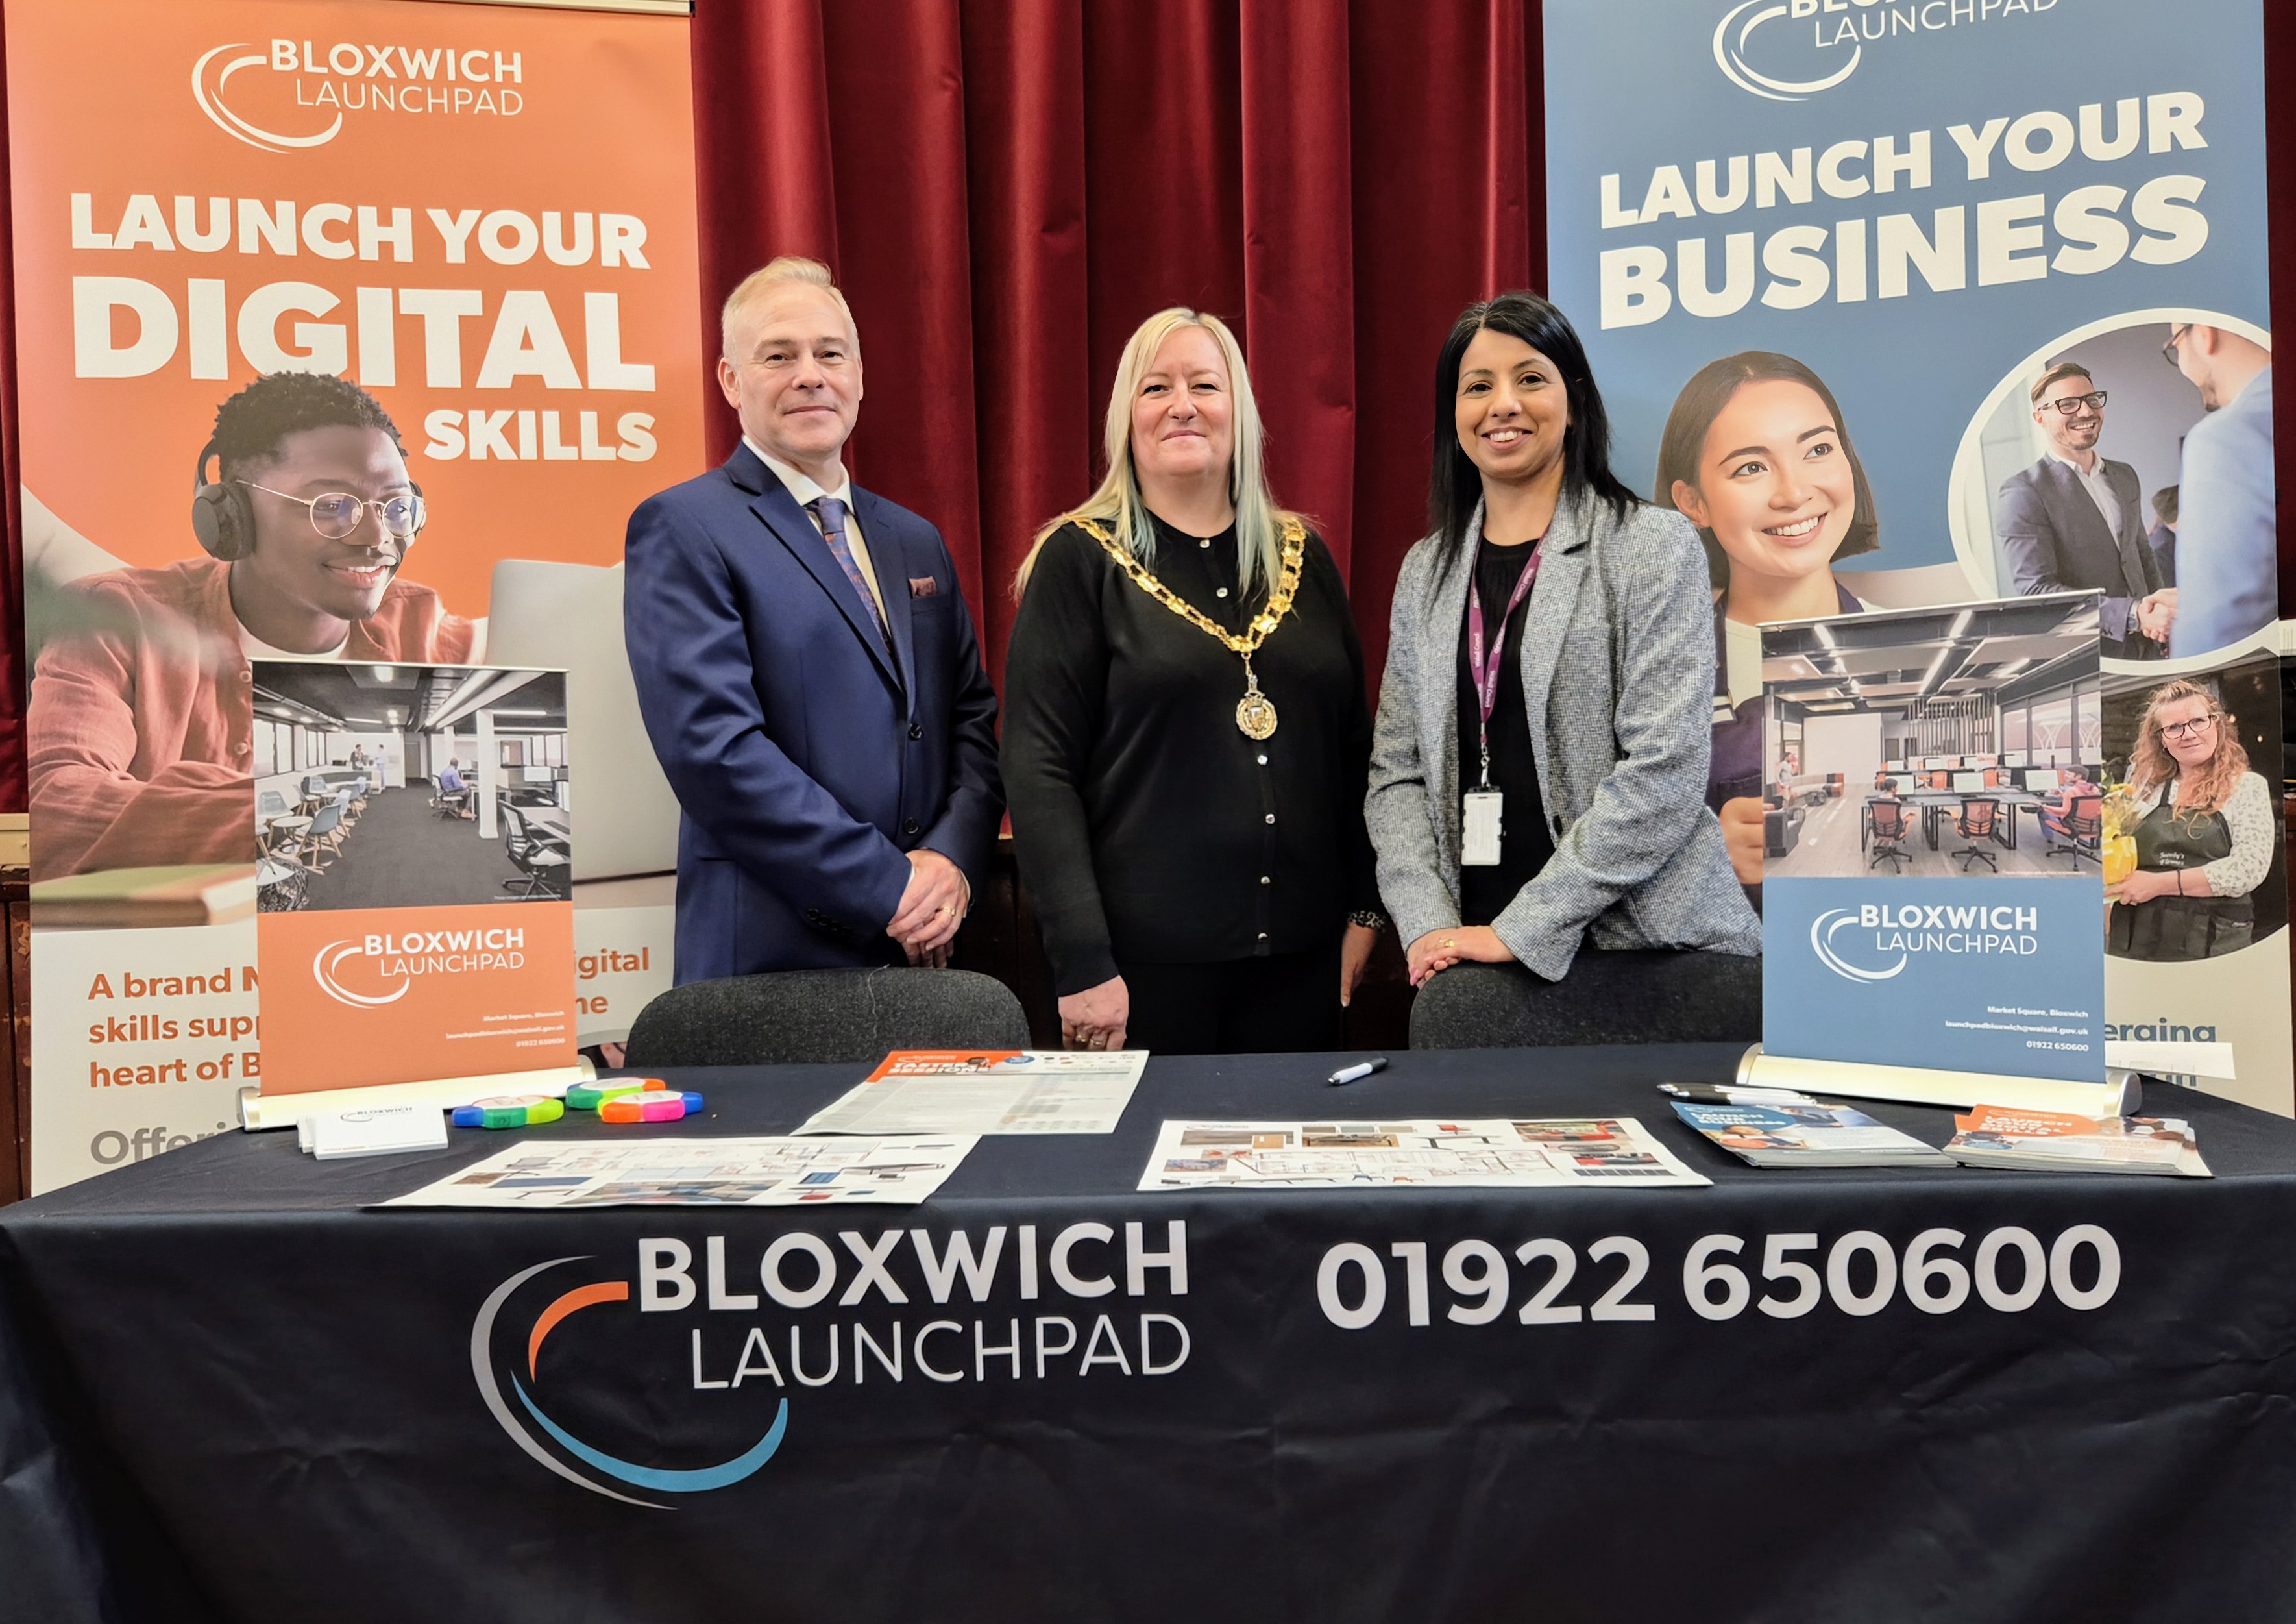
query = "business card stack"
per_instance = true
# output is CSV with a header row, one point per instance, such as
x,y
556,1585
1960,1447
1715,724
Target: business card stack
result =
x,y
1797,1131
372,1130
1994,1136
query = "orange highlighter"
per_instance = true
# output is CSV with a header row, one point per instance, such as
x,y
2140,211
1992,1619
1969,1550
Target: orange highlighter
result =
x,y
650,1105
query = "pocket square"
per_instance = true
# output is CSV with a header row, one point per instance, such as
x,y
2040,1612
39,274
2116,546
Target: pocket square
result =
x,y
923,587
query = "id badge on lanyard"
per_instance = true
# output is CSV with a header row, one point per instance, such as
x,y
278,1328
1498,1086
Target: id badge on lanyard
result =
x,y
1479,808
1478,825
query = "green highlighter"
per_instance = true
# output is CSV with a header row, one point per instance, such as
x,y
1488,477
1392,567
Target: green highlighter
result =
x,y
510,1110
589,1096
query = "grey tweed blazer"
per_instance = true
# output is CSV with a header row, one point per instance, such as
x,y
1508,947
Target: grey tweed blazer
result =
x,y
1617,658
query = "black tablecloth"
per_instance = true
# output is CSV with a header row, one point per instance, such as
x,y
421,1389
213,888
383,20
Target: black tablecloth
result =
x,y
227,1391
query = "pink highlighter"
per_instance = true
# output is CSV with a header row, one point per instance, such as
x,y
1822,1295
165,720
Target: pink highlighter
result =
x,y
648,1106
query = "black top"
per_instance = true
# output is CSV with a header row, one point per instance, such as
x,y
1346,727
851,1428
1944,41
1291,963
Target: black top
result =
x,y
1524,842
1147,825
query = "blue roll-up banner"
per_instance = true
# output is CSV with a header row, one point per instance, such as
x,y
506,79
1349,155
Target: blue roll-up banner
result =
x,y
1926,303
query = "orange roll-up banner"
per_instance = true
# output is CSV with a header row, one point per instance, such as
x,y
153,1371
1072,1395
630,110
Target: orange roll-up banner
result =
x,y
411,290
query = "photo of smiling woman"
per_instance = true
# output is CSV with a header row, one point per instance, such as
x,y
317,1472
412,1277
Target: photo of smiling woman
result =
x,y
1757,456
2204,833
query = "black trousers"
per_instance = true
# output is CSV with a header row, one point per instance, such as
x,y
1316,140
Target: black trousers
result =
x,y
1285,1003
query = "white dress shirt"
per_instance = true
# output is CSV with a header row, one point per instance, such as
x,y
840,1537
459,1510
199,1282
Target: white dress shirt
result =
x,y
2099,488
804,490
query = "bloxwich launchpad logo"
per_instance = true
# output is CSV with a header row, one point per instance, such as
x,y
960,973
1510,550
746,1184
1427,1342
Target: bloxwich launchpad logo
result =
x,y
579,1462
1875,941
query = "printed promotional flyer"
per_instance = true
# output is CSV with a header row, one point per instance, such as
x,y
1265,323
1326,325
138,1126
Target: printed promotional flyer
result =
x,y
349,330
390,946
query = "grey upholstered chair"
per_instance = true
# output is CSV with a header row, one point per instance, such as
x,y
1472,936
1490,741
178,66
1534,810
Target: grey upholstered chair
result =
x,y
1622,996
800,1017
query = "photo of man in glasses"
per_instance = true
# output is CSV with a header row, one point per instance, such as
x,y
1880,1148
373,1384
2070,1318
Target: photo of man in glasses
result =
x,y
2074,521
141,715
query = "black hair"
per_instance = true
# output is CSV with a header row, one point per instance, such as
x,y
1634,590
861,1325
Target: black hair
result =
x,y
251,426
1701,402
1455,484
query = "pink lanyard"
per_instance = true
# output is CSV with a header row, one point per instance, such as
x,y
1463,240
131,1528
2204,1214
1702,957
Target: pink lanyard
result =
x,y
1487,672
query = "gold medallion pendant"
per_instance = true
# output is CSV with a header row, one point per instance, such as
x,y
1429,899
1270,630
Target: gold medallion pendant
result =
x,y
1254,712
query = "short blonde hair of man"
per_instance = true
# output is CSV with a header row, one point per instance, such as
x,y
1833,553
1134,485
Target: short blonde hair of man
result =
x,y
787,268
1118,503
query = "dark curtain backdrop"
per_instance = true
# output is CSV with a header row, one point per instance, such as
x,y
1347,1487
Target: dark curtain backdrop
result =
x,y
1005,190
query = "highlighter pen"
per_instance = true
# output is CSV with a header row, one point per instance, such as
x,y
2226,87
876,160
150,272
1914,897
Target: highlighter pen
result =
x,y
1348,1074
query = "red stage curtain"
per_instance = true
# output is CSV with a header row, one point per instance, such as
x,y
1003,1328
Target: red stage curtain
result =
x,y
1006,189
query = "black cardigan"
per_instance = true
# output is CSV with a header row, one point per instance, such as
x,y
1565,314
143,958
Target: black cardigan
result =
x,y
1147,825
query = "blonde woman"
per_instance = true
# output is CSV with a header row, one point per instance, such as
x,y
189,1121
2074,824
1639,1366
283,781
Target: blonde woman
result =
x,y
1185,732
2204,834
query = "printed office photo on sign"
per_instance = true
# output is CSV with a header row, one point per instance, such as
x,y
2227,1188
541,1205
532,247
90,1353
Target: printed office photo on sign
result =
x,y
409,786
1935,742
2193,854
2131,457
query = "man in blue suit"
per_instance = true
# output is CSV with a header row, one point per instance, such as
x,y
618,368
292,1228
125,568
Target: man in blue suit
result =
x,y
808,673
2069,522
2227,543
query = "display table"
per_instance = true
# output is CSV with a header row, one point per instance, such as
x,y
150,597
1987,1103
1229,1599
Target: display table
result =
x,y
227,1391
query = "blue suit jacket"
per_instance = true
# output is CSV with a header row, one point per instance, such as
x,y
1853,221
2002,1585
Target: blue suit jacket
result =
x,y
806,758
2228,525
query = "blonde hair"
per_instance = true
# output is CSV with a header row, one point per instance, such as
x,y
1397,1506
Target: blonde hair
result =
x,y
1116,503
2152,766
776,273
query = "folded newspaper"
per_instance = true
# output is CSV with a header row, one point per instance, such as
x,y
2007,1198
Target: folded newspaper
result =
x,y
986,1091
542,1174
1608,1152
1994,1136
1801,1132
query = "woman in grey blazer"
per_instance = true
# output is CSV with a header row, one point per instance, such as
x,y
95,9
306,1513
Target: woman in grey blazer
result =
x,y
1538,765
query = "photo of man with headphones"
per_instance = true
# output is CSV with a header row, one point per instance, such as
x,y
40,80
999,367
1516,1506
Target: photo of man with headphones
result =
x,y
142,712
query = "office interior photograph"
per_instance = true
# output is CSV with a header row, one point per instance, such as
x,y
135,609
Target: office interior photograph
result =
x,y
1935,742
405,785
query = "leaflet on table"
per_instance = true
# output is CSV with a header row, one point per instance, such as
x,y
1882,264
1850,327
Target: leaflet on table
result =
x,y
1800,1132
1595,1151
760,1172
986,1091
1991,1136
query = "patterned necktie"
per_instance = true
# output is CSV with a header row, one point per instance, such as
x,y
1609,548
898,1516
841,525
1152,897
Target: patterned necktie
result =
x,y
829,512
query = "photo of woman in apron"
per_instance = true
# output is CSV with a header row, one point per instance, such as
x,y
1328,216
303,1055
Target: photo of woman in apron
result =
x,y
1755,455
2204,830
